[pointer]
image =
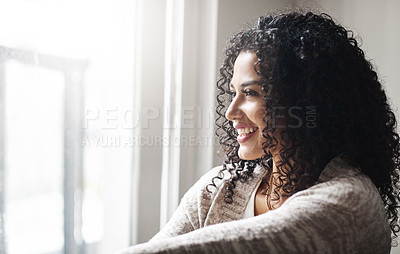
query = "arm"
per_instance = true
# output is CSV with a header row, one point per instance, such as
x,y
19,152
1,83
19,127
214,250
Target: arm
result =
x,y
304,224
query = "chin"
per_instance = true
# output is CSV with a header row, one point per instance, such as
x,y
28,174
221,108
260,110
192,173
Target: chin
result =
x,y
249,155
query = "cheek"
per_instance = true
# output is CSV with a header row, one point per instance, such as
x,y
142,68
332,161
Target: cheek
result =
x,y
255,110
259,117
261,124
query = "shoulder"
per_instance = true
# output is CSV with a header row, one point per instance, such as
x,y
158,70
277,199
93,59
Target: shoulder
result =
x,y
348,200
346,186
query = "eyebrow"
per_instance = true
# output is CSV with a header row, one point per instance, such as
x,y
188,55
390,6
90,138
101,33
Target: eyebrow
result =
x,y
248,83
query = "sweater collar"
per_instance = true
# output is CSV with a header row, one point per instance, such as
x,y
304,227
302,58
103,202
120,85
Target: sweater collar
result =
x,y
242,193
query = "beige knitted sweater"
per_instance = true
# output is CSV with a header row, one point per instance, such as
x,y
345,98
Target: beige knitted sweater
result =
x,y
342,213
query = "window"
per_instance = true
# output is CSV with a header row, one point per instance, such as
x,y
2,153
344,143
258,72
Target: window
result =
x,y
90,90
71,60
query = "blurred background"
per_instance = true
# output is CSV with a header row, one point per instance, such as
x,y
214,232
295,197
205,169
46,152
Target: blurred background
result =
x,y
107,110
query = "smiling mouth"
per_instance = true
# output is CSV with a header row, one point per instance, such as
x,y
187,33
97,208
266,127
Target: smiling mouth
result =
x,y
245,133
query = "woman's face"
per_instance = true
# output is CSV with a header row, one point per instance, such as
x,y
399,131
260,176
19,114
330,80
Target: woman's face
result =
x,y
247,107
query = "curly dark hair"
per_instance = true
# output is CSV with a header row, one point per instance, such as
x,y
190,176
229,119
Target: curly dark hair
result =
x,y
310,64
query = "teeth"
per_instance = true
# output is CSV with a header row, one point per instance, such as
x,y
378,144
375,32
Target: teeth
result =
x,y
245,131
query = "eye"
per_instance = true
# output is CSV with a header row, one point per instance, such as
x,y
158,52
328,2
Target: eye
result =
x,y
249,92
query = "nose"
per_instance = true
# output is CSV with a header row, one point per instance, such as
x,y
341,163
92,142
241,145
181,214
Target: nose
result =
x,y
234,111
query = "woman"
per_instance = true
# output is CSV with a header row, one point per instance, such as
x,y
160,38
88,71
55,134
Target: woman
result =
x,y
312,151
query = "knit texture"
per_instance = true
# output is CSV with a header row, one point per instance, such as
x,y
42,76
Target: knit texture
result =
x,y
342,213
